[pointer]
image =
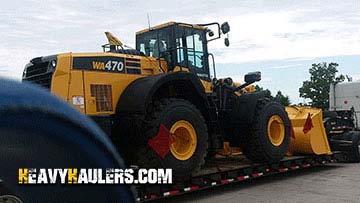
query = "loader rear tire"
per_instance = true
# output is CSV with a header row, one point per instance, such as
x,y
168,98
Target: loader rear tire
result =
x,y
178,114
269,137
184,121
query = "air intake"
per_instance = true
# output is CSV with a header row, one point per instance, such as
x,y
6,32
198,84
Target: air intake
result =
x,y
103,95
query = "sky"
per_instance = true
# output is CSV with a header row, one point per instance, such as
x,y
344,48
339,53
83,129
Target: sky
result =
x,y
280,38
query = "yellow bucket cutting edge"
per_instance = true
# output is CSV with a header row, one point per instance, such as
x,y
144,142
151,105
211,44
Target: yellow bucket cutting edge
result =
x,y
309,136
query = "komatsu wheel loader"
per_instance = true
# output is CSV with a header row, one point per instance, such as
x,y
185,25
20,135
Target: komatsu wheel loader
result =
x,y
163,106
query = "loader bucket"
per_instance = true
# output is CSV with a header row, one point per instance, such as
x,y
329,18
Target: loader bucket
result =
x,y
308,135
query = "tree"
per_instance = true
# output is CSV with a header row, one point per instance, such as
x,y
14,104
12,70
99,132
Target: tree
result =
x,y
318,87
282,99
267,91
279,97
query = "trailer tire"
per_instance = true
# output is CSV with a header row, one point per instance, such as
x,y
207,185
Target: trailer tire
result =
x,y
269,137
354,154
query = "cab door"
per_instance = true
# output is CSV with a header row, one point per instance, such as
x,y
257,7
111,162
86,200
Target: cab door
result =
x,y
191,51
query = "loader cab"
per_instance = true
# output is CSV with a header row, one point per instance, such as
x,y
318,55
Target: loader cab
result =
x,y
181,45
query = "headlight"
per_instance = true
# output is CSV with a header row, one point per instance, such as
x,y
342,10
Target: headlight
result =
x,y
53,63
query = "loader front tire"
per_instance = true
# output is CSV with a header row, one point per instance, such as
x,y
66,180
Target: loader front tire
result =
x,y
269,136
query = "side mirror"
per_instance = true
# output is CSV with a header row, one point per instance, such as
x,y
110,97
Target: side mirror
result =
x,y
225,27
253,77
250,78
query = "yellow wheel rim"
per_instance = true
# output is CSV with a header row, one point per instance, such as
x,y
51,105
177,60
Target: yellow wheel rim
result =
x,y
276,130
184,140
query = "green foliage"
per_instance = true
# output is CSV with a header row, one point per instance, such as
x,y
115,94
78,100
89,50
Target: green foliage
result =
x,y
318,87
267,91
279,97
282,99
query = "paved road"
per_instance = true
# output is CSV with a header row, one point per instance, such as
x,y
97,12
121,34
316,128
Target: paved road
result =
x,y
325,184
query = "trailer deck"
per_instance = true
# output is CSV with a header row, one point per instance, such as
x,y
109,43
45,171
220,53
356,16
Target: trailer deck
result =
x,y
225,170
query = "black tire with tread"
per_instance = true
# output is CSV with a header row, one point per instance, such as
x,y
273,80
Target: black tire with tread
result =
x,y
354,151
256,144
134,145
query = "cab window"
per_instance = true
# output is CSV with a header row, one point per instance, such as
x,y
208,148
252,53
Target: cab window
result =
x,y
195,50
153,43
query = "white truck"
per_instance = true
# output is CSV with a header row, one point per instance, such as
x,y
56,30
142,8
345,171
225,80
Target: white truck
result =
x,y
344,98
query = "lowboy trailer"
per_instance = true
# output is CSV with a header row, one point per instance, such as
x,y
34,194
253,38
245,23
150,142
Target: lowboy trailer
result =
x,y
229,170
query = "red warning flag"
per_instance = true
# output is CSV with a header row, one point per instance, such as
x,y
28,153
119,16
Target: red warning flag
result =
x,y
308,124
161,142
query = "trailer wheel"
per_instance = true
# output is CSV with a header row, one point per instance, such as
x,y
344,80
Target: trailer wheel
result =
x,y
354,153
269,137
188,133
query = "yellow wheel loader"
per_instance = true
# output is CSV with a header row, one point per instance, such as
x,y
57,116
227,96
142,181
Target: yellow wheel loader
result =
x,y
163,106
